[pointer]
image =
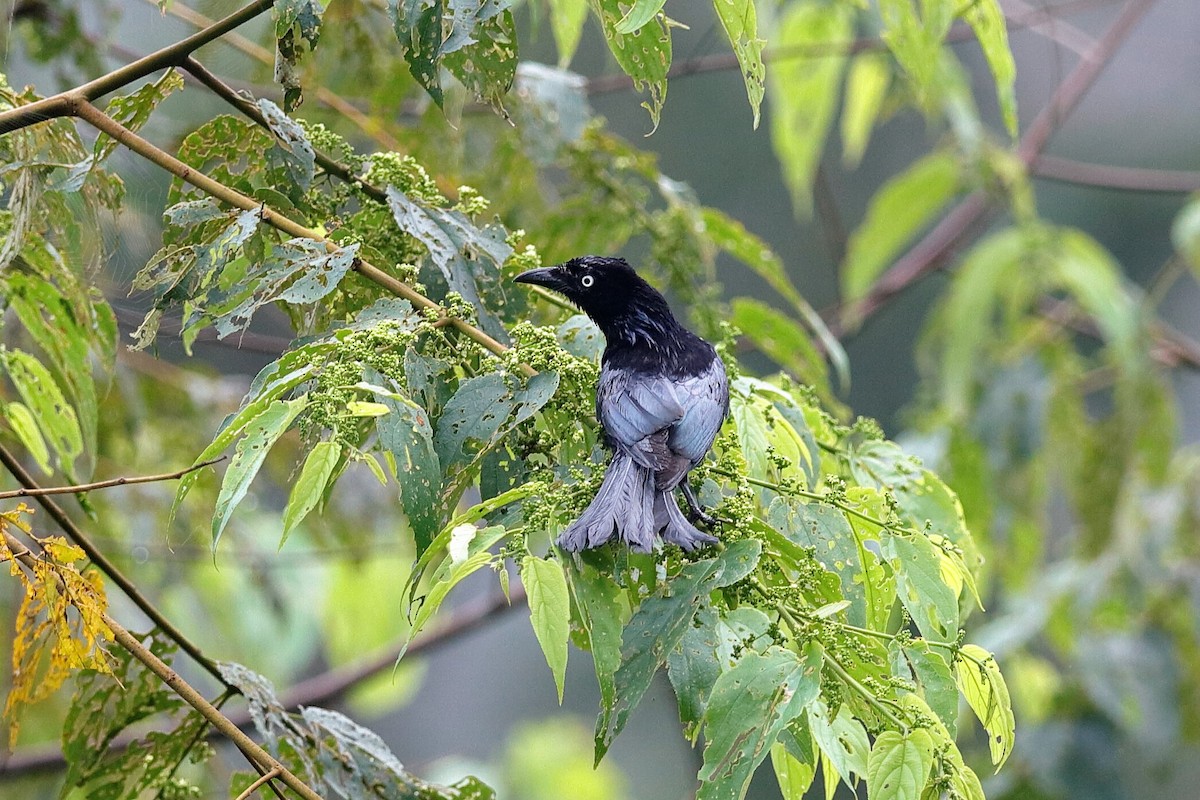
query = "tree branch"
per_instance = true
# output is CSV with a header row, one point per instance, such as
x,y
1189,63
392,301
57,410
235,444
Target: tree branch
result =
x,y
107,567
106,124
87,487
1106,176
66,103
937,245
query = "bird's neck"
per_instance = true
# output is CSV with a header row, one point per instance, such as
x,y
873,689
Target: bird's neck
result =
x,y
652,340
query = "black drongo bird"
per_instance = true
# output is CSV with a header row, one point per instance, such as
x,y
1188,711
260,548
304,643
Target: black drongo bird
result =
x,y
662,397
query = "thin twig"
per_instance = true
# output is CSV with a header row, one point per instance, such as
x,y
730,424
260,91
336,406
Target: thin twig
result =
x,y
87,487
254,787
73,531
66,103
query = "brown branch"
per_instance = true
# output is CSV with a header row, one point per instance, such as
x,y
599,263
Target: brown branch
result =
x,y
254,787
106,124
73,531
1128,179
938,245
321,689
65,104
87,487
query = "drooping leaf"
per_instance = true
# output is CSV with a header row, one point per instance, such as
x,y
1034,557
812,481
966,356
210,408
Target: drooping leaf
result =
x,y
481,48
566,22
297,23
898,211
467,553
842,740
804,91
931,602
601,613
42,396
793,776
782,340
986,18
929,670
24,425
899,765
867,83
693,668
740,21
981,683
656,629
310,485
418,27
293,155
550,612
132,110
643,54
749,706
468,257
251,451
405,432
640,12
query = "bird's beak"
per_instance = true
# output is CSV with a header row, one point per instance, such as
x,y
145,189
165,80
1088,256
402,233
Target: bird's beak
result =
x,y
545,276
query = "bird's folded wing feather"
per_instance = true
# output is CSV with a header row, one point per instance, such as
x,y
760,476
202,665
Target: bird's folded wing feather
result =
x,y
706,398
636,410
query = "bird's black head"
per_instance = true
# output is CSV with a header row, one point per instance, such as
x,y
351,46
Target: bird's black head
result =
x,y
609,291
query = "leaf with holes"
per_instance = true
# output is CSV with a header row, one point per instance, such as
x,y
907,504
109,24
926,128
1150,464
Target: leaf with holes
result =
x,y
297,22
292,159
981,683
467,256
406,433
643,54
740,21
930,601
919,663
418,27
42,396
749,706
484,56
251,451
132,110
842,740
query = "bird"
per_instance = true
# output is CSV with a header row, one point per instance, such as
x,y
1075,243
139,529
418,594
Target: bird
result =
x,y
661,399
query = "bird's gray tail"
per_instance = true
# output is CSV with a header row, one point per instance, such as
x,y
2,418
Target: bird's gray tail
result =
x,y
624,507
675,526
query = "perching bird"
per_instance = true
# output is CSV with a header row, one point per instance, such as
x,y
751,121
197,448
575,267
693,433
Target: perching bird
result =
x,y
662,397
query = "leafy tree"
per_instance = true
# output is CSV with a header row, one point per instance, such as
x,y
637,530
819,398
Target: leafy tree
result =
x,y
418,390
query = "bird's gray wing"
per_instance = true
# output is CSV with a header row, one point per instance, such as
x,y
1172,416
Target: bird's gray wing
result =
x,y
705,399
636,412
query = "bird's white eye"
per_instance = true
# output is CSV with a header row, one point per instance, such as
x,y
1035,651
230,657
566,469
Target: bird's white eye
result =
x,y
587,281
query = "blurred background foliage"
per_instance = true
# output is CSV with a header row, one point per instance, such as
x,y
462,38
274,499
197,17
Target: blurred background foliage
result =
x,y
1008,262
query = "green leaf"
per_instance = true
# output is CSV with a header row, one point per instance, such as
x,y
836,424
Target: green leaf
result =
x,y
836,547
740,21
602,613
468,553
644,54
418,27
693,668
916,42
549,611
248,457
275,380
793,776
487,63
782,340
986,18
916,661
566,22
405,432
867,83
292,157
45,401
24,426
804,91
467,256
899,765
898,211
310,486
931,602
297,22
750,704
963,780
1185,234
842,740
981,683
134,109
641,12
656,629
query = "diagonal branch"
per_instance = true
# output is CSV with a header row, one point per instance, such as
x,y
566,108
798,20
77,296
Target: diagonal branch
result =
x,y
938,245
101,121
88,487
64,104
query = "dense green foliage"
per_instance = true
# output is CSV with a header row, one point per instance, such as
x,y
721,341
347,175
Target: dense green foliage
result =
x,y
827,632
